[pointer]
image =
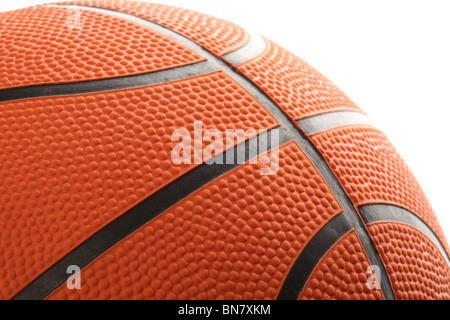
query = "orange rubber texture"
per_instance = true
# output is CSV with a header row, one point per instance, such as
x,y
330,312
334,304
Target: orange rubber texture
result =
x,y
71,164
235,238
294,85
38,47
371,171
415,267
341,274
216,35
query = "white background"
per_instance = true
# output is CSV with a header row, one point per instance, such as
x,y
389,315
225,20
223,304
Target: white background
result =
x,y
390,57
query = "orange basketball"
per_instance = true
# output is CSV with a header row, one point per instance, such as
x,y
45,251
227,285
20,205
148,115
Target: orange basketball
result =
x,y
153,152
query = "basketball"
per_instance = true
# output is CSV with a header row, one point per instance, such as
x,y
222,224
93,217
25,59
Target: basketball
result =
x,y
151,152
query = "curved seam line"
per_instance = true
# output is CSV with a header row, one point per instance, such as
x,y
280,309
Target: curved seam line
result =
x,y
254,59
283,292
249,51
101,85
422,223
341,122
321,259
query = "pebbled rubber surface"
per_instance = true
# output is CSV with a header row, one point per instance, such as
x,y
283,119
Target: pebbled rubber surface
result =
x,y
41,48
415,267
216,35
235,238
86,176
371,171
294,85
341,274
72,164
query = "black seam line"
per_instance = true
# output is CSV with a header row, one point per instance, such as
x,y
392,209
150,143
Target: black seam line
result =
x,y
316,248
373,213
91,86
249,51
139,215
330,120
288,131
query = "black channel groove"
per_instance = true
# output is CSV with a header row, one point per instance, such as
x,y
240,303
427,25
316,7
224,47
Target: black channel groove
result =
x,y
329,120
92,86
